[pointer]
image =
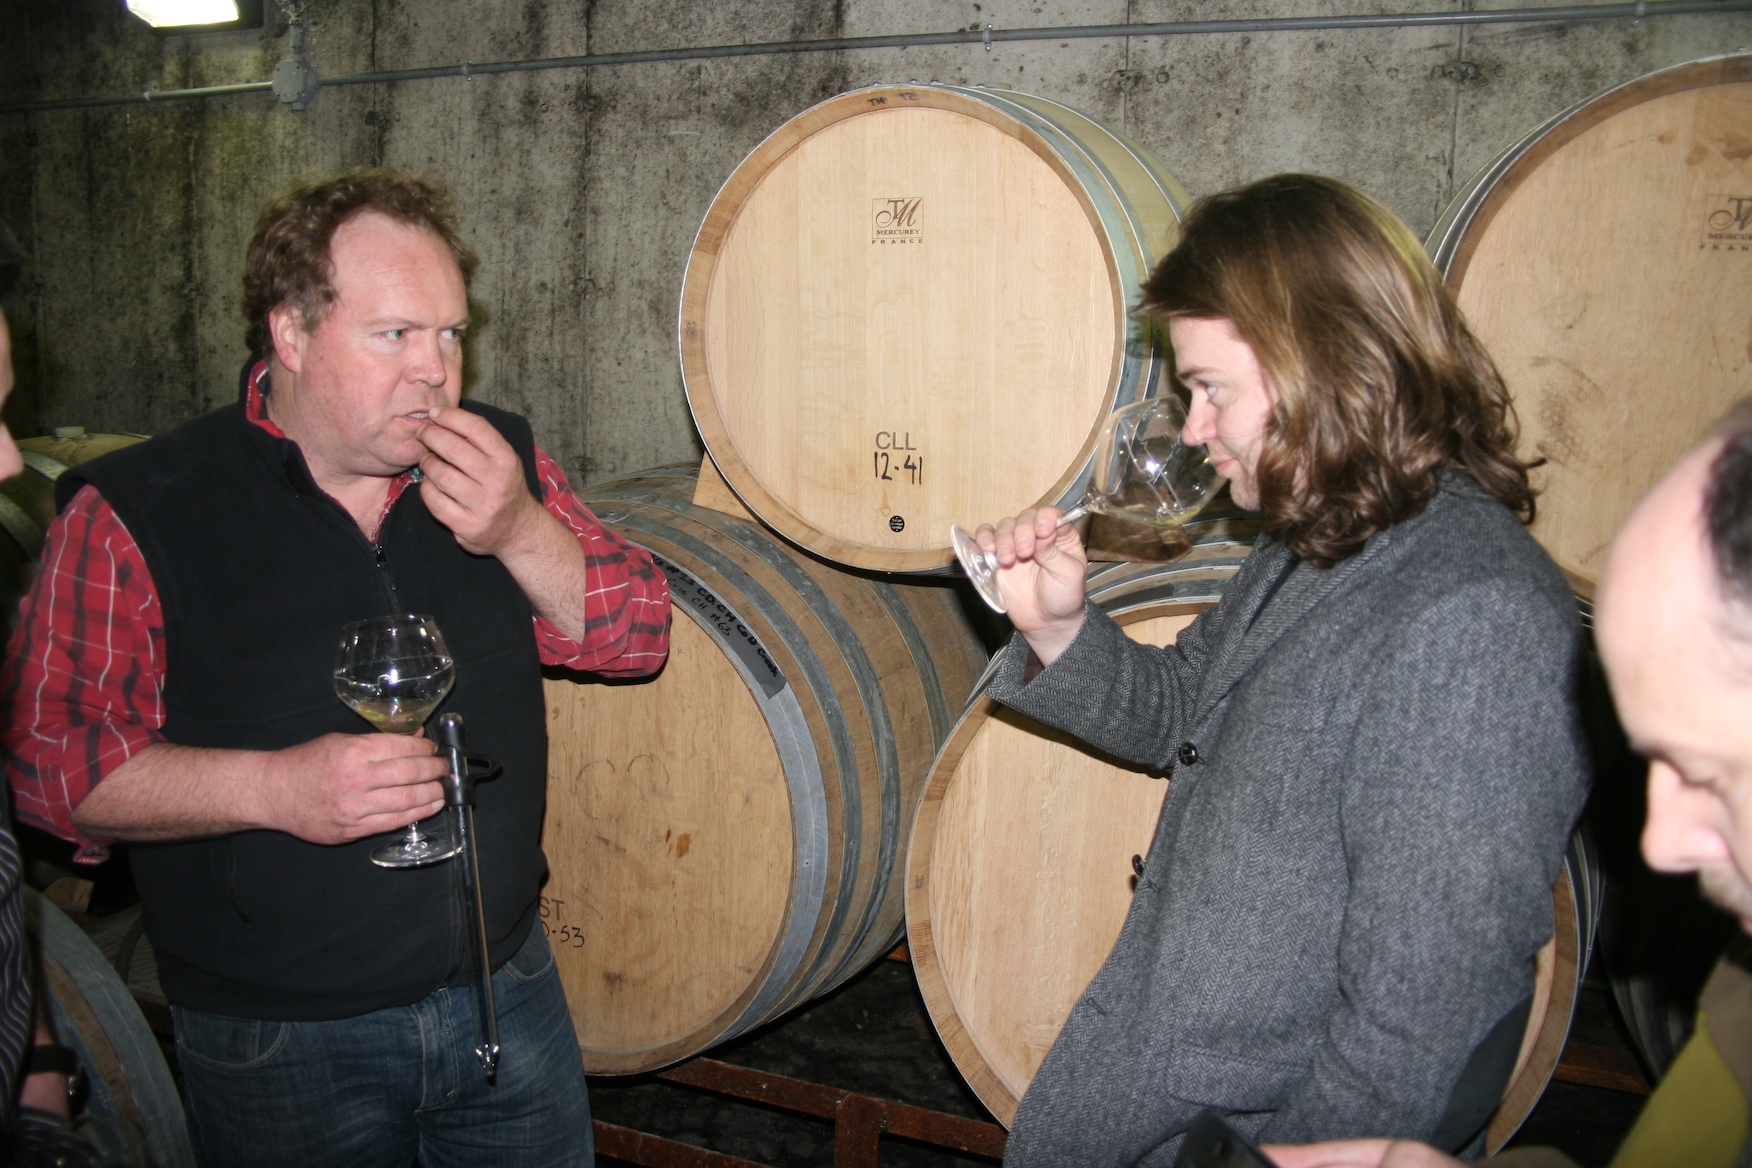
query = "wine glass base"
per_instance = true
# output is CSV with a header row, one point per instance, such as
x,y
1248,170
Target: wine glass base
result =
x,y
415,853
980,565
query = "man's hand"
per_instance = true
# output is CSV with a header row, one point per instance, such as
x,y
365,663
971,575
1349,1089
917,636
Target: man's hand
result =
x,y
341,787
474,485
473,482
1041,567
1359,1154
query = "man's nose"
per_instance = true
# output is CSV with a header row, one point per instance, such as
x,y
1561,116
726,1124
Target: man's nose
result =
x,y
1684,828
426,359
1201,419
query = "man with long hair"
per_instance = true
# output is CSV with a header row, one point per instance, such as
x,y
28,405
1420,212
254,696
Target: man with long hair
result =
x,y
1674,624
1374,742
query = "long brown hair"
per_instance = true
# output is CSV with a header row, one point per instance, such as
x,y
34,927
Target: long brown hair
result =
x,y
288,260
1379,382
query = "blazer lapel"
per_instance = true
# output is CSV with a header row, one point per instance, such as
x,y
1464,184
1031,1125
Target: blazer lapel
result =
x,y
1257,581
1269,614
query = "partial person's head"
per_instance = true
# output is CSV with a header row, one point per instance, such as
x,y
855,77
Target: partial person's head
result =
x,y
1331,372
356,290
1674,623
11,461
11,264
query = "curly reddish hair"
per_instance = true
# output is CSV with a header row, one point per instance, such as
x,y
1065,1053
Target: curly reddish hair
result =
x,y
288,260
1379,382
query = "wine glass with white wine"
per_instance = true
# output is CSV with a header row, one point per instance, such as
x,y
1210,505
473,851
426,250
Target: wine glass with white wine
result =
x,y
1143,473
393,671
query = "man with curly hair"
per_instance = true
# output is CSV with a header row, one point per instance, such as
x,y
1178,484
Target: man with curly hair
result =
x,y
171,686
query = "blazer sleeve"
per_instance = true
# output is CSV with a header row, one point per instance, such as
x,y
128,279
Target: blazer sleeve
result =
x,y
1127,699
1464,777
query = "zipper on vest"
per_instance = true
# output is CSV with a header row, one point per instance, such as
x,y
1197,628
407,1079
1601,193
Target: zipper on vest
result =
x,y
379,554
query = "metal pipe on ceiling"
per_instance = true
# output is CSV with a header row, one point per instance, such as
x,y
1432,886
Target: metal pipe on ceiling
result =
x,y
988,36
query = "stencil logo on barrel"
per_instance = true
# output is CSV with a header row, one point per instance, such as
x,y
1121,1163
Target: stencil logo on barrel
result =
x,y
733,633
896,221
1728,223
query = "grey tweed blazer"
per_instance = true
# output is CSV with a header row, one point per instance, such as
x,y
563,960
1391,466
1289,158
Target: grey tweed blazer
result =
x,y
1375,768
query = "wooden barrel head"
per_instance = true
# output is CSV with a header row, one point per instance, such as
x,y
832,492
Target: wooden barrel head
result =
x,y
652,851
888,294
1019,877
1606,264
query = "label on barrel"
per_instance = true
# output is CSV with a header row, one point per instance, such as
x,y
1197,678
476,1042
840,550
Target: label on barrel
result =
x,y
896,458
1728,223
897,221
560,932
687,590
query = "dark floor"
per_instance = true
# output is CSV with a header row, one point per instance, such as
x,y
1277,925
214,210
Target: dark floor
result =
x,y
873,1036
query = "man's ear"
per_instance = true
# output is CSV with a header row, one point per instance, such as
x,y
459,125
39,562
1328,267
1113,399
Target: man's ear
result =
x,y
286,330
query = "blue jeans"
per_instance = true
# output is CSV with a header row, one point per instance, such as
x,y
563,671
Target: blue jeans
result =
x,y
382,1089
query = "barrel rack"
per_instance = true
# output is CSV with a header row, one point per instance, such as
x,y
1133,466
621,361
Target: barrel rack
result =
x,y
859,1121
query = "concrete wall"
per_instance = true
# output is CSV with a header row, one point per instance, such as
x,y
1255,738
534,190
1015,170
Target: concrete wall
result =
x,y
582,189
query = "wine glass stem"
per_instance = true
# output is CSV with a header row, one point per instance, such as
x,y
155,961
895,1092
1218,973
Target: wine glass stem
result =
x,y
1074,514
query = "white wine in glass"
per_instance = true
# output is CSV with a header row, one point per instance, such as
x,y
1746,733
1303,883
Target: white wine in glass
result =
x,y
393,671
1144,472
403,711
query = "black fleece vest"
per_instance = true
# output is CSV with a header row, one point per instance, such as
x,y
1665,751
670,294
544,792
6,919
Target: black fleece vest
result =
x,y
257,570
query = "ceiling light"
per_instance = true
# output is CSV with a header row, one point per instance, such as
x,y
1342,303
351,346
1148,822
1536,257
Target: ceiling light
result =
x,y
177,13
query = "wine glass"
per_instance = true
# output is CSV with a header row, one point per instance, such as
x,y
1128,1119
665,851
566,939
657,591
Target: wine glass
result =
x,y
393,671
1143,473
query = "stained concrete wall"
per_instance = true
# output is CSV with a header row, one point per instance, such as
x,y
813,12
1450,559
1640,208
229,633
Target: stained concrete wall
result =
x,y
582,189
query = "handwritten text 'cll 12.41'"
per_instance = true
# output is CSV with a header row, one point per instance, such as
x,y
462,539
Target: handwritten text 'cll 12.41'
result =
x,y
896,459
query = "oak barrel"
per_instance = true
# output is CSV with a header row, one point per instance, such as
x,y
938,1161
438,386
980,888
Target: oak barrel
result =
x,y
1606,262
890,293
93,1013
726,841
1019,870
27,503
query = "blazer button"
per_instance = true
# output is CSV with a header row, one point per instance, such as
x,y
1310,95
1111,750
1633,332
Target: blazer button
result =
x,y
1188,754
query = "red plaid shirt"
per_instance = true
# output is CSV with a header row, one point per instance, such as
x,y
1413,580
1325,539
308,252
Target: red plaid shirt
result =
x,y
84,678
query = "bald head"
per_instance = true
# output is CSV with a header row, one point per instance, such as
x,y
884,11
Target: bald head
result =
x,y
1663,573
1727,513
1675,633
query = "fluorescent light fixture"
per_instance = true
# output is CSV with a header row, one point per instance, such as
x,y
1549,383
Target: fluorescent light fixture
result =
x,y
176,13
